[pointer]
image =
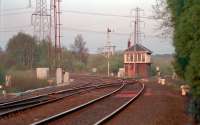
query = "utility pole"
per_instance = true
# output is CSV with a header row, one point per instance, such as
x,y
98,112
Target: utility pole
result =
x,y
108,50
136,33
30,4
1,19
1,13
57,31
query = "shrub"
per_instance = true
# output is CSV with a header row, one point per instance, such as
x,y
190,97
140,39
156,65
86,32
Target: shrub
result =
x,y
25,80
2,75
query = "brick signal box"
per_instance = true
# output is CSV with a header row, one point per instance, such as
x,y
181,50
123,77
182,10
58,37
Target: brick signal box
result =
x,y
137,61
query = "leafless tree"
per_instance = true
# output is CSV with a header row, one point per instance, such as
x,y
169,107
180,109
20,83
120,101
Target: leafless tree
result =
x,y
79,49
163,16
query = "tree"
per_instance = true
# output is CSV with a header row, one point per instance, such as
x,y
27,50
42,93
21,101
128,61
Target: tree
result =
x,y
1,50
116,62
41,54
79,49
185,15
21,49
2,74
2,69
163,15
192,75
1,54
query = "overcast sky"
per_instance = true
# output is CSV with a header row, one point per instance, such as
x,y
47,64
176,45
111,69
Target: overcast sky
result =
x,y
22,22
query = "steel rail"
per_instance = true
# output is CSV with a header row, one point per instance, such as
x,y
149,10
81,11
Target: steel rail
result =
x,y
43,95
106,118
43,98
4,113
54,117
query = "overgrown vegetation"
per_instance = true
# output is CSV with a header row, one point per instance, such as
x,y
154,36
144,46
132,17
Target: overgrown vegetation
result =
x,y
24,53
21,82
164,62
185,20
100,62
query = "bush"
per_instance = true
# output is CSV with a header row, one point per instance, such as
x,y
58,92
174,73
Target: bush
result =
x,y
25,80
2,75
193,77
194,108
153,71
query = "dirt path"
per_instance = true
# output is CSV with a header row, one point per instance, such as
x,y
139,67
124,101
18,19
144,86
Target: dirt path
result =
x,y
159,105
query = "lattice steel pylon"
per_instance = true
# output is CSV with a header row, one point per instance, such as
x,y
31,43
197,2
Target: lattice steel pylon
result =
x,y
41,20
136,30
135,26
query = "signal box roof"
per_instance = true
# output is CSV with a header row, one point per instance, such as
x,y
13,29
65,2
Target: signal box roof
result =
x,y
138,47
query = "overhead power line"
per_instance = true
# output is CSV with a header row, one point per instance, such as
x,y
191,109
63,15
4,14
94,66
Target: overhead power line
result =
x,y
75,12
15,9
15,27
25,27
13,31
102,14
91,31
102,32
15,13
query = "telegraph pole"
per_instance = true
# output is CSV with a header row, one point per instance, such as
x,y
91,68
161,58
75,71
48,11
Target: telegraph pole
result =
x,y
1,19
108,50
57,31
30,4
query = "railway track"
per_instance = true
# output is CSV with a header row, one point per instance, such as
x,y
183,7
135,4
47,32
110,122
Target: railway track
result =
x,y
77,81
99,110
16,106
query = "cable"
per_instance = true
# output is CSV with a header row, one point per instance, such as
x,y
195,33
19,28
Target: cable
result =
x,y
16,9
93,31
101,32
101,14
77,12
15,27
15,13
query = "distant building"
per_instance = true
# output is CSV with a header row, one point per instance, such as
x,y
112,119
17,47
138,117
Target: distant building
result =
x,y
137,61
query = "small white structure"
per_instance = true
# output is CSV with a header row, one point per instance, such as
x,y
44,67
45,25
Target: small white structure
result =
x,y
66,78
42,73
59,76
8,80
4,92
121,72
71,80
174,76
94,70
161,81
184,90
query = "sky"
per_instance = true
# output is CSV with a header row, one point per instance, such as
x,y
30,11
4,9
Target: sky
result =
x,y
15,15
